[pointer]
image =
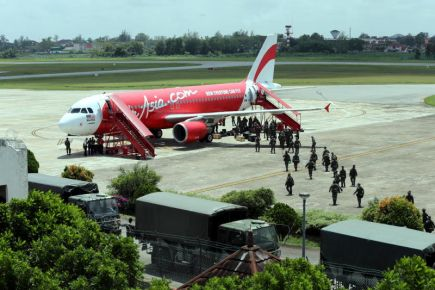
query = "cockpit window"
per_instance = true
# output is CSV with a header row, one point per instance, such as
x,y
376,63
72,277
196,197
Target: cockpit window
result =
x,y
84,111
90,110
75,110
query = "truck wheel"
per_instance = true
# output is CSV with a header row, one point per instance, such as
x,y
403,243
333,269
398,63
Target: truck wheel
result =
x,y
209,138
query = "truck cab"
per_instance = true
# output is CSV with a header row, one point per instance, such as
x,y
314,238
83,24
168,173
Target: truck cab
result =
x,y
100,208
236,233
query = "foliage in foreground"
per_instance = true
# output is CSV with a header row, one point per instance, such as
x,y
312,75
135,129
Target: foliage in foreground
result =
x,y
318,219
430,100
408,273
257,201
289,274
46,244
32,163
134,183
77,172
394,210
283,214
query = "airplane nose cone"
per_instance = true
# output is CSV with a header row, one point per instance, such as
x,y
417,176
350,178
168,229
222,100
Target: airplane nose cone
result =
x,y
65,124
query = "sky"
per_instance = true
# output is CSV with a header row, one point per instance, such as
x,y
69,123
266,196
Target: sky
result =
x,y
38,19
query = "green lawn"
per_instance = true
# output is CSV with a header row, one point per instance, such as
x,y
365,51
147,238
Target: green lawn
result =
x,y
430,100
284,74
43,68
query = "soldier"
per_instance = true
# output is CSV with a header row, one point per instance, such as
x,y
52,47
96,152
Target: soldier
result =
x,y
409,197
313,143
336,179
343,177
287,159
287,135
311,166
424,215
272,144
291,146
326,162
233,121
353,174
333,156
239,121
266,130
281,139
85,146
297,145
68,146
429,225
325,151
289,184
359,194
335,190
296,161
272,129
313,158
257,144
250,123
334,166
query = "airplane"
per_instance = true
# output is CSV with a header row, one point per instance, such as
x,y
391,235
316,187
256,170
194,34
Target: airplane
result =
x,y
191,111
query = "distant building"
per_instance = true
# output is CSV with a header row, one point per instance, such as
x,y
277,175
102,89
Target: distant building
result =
x,y
13,170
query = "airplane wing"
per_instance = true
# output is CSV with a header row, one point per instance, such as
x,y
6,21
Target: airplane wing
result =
x,y
220,115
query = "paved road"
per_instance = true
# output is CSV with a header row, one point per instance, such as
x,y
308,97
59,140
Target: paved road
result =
x,y
194,65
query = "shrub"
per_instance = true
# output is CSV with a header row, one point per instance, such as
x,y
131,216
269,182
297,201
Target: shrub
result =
x,y
77,172
135,183
32,163
395,210
283,214
318,219
408,273
257,201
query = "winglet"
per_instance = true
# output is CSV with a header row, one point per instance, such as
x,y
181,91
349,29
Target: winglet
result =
x,y
327,107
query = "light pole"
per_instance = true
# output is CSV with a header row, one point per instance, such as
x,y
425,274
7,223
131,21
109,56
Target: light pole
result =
x,y
304,197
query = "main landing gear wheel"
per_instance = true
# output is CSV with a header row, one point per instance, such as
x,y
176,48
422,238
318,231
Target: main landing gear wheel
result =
x,y
157,133
209,138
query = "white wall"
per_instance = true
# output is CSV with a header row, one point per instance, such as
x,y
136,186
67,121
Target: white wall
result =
x,y
13,168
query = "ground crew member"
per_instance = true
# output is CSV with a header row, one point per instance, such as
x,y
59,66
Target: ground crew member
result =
x,y
353,174
296,161
85,146
326,161
287,159
429,225
313,143
335,190
257,144
334,166
311,166
409,197
424,215
297,145
68,146
289,184
272,144
343,177
313,158
359,194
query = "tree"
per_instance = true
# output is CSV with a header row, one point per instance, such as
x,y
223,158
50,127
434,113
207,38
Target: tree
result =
x,y
160,47
395,210
135,183
32,163
363,36
46,44
408,273
77,172
124,36
420,38
142,37
257,201
283,214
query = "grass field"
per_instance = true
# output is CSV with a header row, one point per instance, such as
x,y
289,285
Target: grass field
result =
x,y
44,68
284,74
430,100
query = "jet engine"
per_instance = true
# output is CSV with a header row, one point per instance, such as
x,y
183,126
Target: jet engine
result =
x,y
188,132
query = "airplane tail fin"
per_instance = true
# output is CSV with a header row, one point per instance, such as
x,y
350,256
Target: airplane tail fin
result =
x,y
263,68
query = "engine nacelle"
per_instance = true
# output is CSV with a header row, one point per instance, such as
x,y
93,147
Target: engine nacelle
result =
x,y
187,132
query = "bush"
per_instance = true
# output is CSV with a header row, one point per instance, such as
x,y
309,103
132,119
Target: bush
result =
x,y
318,219
32,163
395,210
408,273
257,201
77,172
283,214
135,183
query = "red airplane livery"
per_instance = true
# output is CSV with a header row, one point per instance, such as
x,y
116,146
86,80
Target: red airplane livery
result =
x,y
191,112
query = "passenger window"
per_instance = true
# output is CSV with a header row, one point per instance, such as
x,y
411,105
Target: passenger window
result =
x,y
75,110
84,111
90,110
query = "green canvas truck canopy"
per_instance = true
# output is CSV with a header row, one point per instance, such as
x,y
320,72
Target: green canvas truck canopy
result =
x,y
177,214
372,246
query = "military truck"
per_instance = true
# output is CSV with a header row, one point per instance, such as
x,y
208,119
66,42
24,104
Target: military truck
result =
x,y
357,252
97,206
192,233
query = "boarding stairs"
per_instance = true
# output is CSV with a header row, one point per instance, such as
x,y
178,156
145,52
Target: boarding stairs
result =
x,y
270,100
131,127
